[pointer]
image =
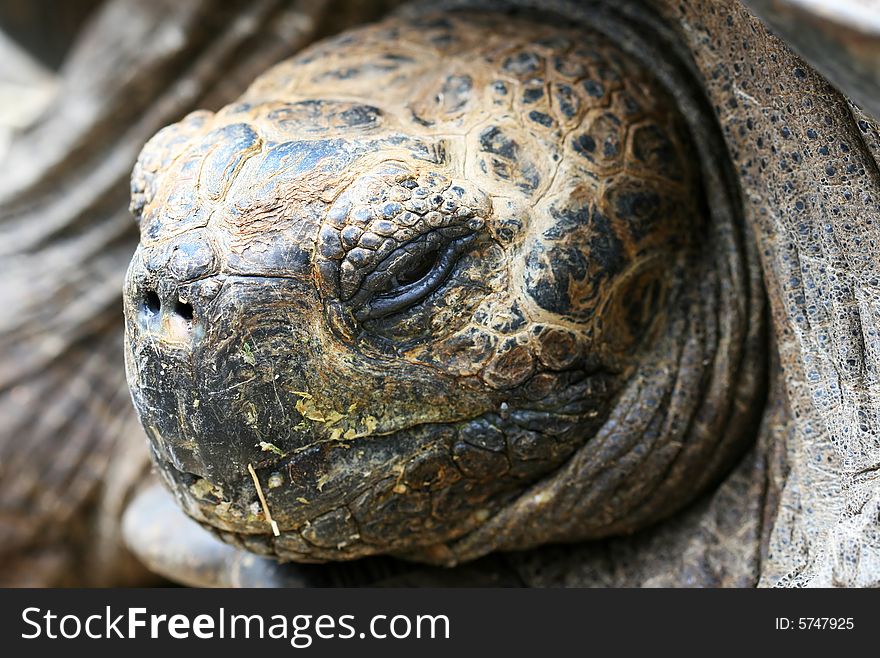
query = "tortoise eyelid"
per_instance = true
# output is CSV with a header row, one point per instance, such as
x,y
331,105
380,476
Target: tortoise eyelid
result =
x,y
414,292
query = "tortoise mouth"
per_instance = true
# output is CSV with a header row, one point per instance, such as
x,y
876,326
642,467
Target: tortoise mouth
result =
x,y
313,517
408,492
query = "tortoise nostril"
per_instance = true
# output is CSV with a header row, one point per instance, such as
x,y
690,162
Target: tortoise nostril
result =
x,y
152,303
184,310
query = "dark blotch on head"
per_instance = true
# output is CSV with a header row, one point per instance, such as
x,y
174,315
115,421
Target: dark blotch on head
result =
x,y
523,63
548,272
492,140
587,247
584,145
638,206
227,147
652,146
541,118
533,94
359,115
566,100
456,92
594,88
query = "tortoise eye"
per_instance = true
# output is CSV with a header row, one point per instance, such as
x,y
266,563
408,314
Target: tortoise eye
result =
x,y
408,278
418,269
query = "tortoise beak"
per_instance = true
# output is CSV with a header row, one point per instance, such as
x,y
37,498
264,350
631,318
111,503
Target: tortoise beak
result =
x,y
213,365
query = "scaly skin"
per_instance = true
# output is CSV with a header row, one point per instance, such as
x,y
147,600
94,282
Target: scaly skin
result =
x,y
449,284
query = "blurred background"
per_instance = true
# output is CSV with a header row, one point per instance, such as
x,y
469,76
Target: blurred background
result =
x,y
34,39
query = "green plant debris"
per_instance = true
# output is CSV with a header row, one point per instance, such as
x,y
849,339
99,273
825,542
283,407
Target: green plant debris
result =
x,y
346,425
225,509
201,488
302,500
310,409
250,414
265,446
247,353
371,423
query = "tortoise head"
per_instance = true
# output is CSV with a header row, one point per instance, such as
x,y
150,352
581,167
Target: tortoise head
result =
x,y
393,305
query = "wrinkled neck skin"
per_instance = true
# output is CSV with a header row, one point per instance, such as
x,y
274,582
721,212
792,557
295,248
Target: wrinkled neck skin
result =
x,y
449,284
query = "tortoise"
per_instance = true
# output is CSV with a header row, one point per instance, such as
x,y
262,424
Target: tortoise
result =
x,y
307,395
381,306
